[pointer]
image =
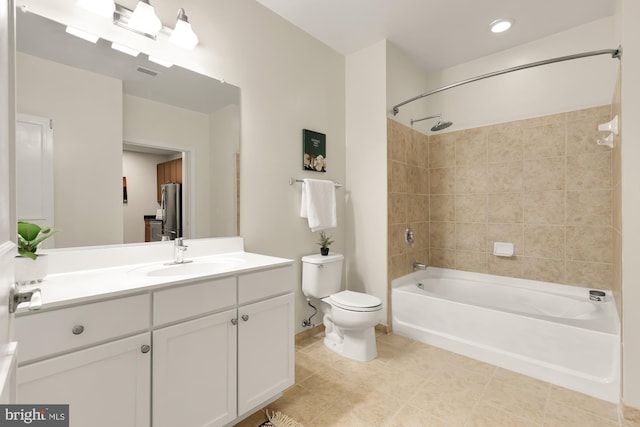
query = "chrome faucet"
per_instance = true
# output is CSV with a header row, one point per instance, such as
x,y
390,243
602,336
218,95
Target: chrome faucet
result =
x,y
178,251
419,266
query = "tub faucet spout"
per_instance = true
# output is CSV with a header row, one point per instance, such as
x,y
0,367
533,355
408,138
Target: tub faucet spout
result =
x,y
419,266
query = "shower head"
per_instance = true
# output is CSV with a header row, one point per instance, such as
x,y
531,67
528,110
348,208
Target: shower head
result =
x,y
440,125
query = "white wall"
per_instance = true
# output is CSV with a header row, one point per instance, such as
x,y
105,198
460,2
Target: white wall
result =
x,y
140,169
224,133
86,109
549,89
289,81
166,126
366,99
628,12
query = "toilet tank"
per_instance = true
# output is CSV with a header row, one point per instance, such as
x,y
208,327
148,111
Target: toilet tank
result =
x,y
321,275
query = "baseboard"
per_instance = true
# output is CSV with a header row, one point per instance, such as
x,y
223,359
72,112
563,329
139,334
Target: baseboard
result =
x,y
385,329
318,329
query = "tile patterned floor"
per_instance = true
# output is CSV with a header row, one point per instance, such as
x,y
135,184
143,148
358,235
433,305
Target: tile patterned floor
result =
x,y
413,384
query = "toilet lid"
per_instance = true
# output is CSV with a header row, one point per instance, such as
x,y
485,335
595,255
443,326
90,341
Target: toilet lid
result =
x,y
357,301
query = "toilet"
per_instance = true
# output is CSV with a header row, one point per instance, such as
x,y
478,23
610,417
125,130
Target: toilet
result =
x,y
349,317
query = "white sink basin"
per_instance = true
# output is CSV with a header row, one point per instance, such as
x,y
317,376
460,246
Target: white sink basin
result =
x,y
197,268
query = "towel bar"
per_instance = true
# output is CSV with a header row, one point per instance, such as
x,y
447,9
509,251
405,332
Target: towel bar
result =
x,y
293,181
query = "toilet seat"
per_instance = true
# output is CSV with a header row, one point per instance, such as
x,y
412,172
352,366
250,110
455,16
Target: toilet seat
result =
x,y
355,301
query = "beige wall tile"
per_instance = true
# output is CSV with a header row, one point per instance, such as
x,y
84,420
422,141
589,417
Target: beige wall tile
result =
x,y
420,235
417,208
589,207
442,150
396,241
418,149
443,258
397,208
442,181
546,207
589,244
471,237
505,208
502,266
589,274
544,141
471,261
442,235
505,146
397,135
442,208
616,214
582,135
544,241
471,208
509,233
505,177
471,148
398,266
589,171
543,269
544,175
596,113
397,179
417,180
471,179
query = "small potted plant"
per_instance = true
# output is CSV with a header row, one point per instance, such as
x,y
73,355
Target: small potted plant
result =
x,y
31,267
324,243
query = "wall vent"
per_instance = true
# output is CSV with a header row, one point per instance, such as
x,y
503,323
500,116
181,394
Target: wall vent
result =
x,y
147,71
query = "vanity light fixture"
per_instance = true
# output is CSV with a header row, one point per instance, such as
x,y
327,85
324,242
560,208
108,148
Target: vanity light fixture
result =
x,y
183,34
124,49
501,25
144,19
100,7
82,34
159,61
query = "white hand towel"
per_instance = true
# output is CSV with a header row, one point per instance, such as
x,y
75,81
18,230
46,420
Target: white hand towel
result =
x,y
319,204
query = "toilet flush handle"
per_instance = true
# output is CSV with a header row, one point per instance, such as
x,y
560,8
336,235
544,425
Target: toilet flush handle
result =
x,y
245,317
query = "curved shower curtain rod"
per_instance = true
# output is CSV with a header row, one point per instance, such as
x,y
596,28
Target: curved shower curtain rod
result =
x,y
615,53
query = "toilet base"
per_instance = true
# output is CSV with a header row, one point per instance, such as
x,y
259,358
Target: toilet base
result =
x,y
355,344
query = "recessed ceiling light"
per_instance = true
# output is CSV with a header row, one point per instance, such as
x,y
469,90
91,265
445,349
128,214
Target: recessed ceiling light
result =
x,y
82,34
124,49
501,25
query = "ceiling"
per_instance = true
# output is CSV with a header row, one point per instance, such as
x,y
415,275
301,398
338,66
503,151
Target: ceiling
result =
x,y
436,34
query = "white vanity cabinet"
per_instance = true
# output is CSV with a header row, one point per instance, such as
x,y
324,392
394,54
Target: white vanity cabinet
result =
x,y
203,352
105,384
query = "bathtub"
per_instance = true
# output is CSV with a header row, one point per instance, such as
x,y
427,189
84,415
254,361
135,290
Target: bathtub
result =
x,y
547,331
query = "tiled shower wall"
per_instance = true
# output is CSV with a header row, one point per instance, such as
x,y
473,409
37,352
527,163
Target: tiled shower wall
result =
x,y
542,184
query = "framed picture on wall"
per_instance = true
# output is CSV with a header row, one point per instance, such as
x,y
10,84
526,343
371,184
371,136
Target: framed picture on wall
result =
x,y
314,151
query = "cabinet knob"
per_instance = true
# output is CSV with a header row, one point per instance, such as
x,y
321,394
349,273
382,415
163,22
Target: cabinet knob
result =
x,y
145,348
77,330
245,317
234,321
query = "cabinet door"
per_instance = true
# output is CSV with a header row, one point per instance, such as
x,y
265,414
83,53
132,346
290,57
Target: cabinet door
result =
x,y
194,372
105,386
265,351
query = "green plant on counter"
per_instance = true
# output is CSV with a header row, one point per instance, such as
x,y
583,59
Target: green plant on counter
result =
x,y
30,236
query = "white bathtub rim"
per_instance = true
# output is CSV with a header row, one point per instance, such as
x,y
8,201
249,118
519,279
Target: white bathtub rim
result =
x,y
530,285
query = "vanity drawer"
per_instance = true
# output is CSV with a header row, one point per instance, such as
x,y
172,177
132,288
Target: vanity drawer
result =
x,y
263,284
182,302
64,329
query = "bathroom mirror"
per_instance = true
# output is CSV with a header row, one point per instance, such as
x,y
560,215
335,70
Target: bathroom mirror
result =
x,y
107,107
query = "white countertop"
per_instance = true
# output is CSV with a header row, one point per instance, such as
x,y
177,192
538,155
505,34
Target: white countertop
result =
x,y
87,285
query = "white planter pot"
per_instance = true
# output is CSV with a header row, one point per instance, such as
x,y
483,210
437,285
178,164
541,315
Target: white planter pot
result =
x,y
29,271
